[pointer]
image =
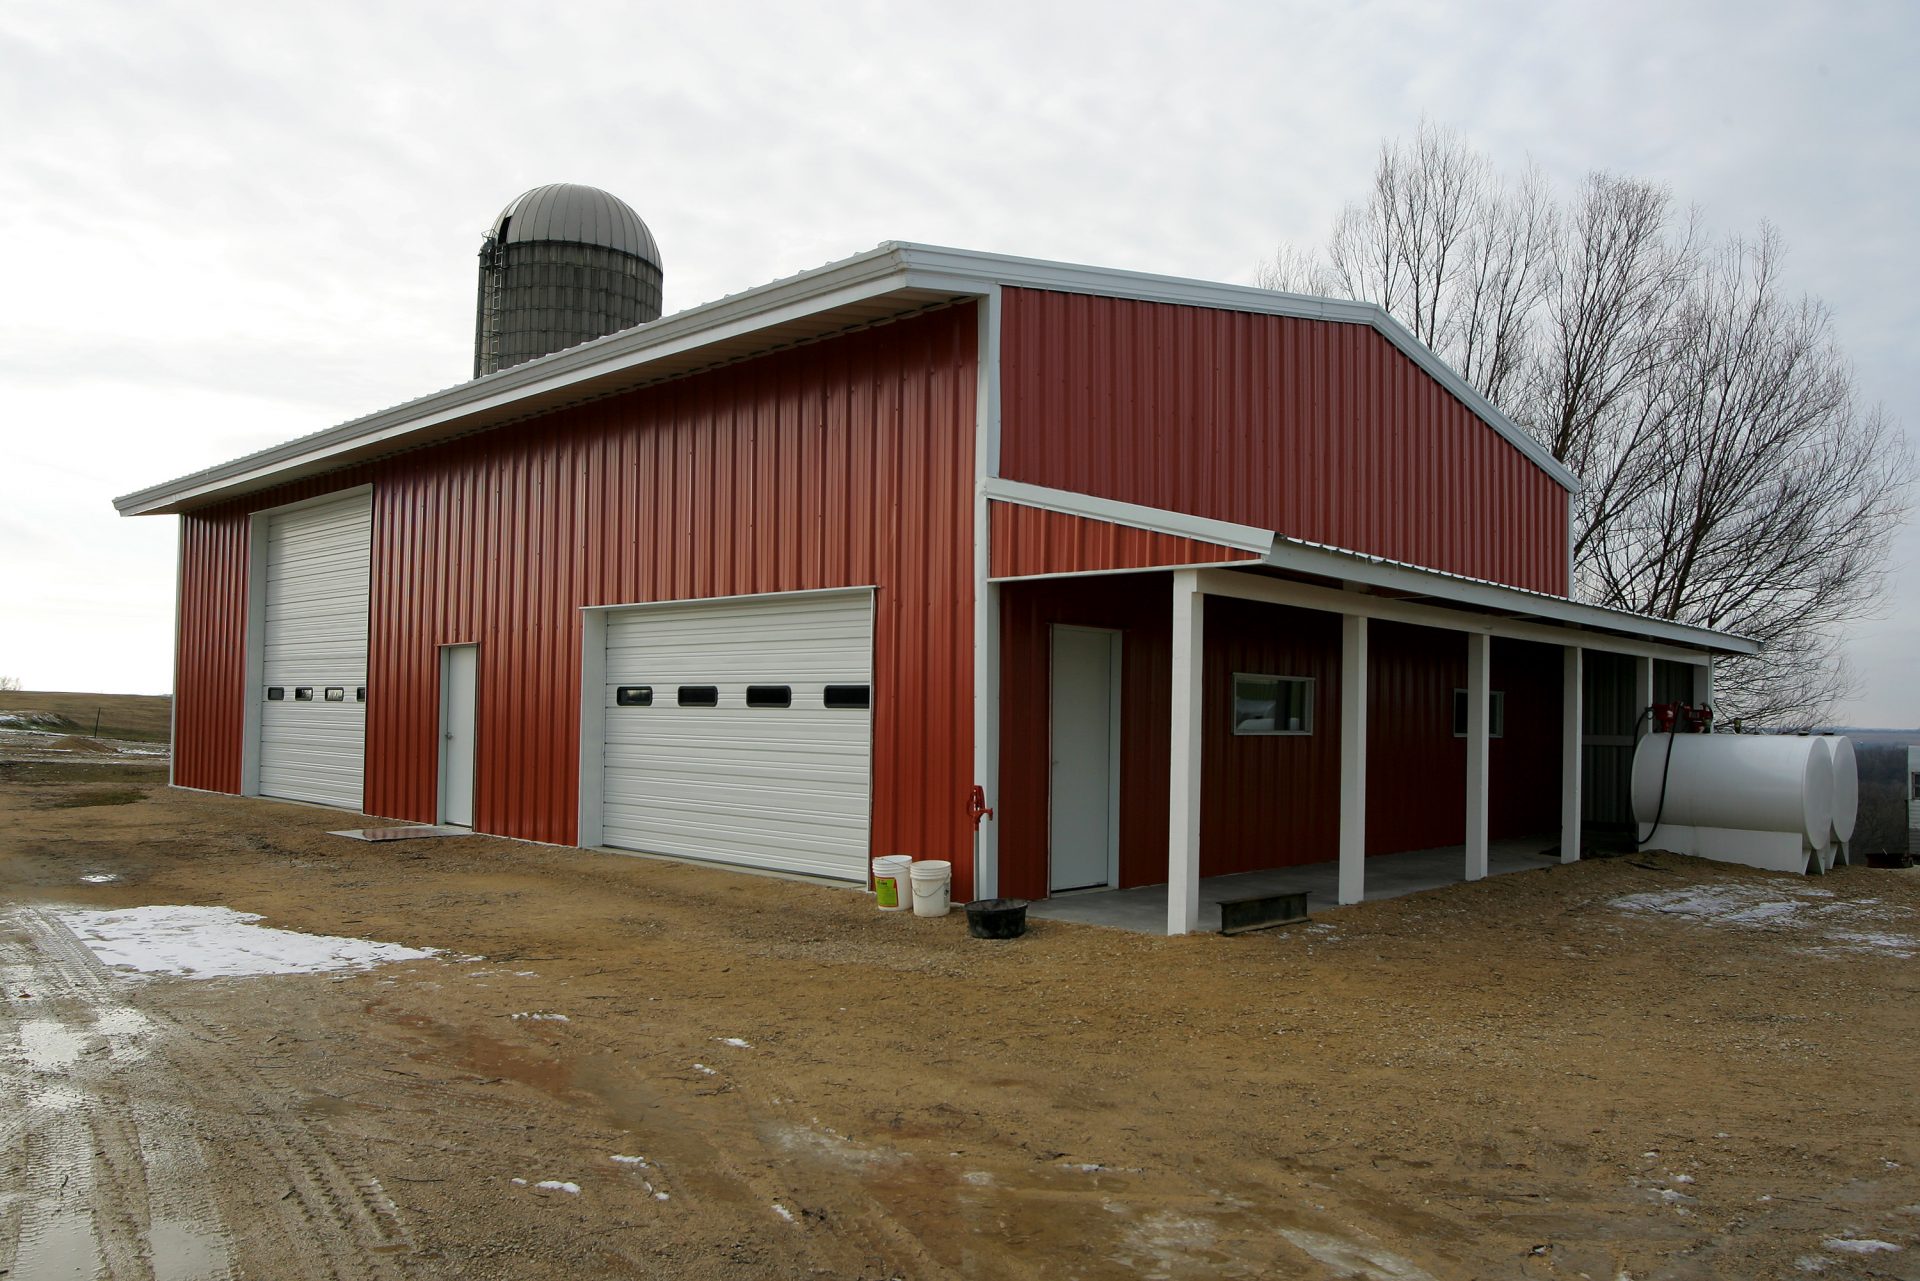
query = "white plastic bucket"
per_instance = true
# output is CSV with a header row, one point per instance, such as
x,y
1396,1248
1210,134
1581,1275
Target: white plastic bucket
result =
x,y
890,890
932,886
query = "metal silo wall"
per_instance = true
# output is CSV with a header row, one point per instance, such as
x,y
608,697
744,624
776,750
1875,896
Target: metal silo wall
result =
x,y
545,296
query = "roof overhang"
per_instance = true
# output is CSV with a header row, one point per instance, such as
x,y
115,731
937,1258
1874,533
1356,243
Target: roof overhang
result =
x,y
893,280
1358,573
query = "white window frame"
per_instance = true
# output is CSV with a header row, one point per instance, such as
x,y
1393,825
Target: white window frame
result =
x,y
1496,713
1306,729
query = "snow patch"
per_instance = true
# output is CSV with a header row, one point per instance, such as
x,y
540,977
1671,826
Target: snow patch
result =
x,y
557,1185
218,942
618,1159
1354,1259
736,1042
1855,926
783,1211
704,1070
541,1016
1859,1245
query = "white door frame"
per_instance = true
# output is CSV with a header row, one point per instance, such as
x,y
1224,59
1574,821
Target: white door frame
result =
x,y
1114,670
446,762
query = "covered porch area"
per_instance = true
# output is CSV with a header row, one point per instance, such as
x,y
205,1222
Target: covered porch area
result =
x,y
1220,710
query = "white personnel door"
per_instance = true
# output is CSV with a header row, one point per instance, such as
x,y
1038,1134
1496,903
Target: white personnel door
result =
x,y
313,711
740,730
459,667
1082,802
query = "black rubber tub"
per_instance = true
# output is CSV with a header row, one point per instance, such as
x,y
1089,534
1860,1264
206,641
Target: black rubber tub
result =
x,y
997,918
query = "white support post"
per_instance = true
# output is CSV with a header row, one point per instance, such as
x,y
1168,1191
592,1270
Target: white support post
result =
x,y
1479,646
1353,757
1572,731
1643,695
1183,779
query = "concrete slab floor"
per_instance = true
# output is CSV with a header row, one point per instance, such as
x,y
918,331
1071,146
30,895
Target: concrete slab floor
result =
x,y
1144,909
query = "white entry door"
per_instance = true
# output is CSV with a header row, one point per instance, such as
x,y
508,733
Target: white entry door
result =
x,y
1083,799
459,668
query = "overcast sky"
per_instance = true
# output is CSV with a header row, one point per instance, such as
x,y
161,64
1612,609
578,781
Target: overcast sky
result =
x,y
229,224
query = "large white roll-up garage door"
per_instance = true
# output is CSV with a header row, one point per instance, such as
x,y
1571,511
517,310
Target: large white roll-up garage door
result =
x,y
313,711
741,731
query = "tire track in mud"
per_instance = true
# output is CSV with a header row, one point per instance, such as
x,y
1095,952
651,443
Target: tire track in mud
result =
x,y
147,1210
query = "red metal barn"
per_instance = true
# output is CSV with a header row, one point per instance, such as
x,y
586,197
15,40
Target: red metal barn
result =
x,y
1191,578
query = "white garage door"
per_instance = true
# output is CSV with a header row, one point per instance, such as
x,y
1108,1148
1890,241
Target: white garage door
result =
x,y
313,711
741,731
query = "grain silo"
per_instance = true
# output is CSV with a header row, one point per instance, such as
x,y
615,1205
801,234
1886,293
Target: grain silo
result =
x,y
561,265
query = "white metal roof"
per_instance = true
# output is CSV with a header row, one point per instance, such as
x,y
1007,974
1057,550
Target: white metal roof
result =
x,y
891,280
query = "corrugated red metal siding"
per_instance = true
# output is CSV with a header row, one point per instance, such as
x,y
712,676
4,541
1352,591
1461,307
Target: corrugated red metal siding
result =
x,y
1139,607
843,463
1269,801
210,660
1417,769
1030,540
1320,430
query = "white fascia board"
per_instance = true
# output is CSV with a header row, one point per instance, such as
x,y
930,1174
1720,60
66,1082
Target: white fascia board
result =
x,y
1156,520
1373,571
934,262
867,276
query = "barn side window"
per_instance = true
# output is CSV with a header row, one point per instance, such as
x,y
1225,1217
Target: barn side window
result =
x,y
699,696
1496,714
858,697
769,696
1272,704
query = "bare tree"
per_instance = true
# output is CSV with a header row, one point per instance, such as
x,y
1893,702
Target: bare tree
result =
x,y
9,684
1728,476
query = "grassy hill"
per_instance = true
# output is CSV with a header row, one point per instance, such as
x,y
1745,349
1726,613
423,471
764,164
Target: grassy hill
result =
x,y
140,717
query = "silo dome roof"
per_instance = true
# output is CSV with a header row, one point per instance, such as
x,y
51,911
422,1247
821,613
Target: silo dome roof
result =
x,y
582,215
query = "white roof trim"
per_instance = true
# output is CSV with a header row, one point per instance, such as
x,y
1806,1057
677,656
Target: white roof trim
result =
x,y
914,276
1305,557
1297,555
1156,520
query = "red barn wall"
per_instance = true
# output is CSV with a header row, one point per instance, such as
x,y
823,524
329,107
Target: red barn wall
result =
x,y
842,463
1417,769
1139,607
1320,430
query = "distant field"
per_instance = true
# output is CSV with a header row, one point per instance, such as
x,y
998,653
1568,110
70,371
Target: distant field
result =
x,y
139,717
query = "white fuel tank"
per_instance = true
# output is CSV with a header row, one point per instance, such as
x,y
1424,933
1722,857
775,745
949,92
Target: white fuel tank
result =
x,y
1765,800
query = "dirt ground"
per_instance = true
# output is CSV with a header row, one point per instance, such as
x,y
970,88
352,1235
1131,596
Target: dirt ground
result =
x,y
1522,1077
